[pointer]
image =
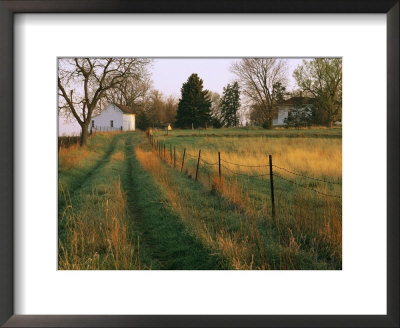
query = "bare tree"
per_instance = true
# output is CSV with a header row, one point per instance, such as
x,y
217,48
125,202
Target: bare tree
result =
x,y
160,109
83,82
154,107
215,98
262,81
133,90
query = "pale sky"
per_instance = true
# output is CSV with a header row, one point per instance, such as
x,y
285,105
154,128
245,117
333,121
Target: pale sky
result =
x,y
168,75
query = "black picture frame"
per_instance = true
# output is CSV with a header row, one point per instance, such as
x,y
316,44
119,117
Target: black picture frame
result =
x,y
7,10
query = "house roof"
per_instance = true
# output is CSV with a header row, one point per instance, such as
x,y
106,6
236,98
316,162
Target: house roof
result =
x,y
125,109
299,101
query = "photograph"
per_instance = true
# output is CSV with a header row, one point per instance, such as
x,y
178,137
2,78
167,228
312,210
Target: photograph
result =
x,y
208,163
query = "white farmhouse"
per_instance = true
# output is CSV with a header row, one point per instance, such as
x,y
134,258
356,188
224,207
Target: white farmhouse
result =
x,y
114,117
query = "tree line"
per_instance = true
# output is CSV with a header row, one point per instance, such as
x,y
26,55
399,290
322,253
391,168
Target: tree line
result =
x,y
261,84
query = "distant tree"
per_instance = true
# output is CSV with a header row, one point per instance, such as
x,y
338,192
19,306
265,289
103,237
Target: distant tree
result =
x,y
258,115
262,81
230,105
155,107
322,77
159,109
279,93
142,121
170,109
194,106
215,98
83,82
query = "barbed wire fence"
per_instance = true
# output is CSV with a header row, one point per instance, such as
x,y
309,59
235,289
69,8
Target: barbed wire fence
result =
x,y
221,165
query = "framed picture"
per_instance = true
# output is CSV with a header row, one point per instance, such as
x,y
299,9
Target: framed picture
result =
x,y
196,151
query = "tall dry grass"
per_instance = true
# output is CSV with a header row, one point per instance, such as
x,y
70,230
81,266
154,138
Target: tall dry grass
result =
x,y
74,156
97,235
229,229
306,221
71,157
314,156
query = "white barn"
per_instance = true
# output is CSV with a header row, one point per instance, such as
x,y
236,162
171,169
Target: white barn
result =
x,y
114,117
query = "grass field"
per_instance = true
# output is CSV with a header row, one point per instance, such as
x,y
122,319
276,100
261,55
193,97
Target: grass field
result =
x,y
123,206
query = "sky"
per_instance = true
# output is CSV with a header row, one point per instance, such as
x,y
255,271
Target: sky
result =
x,y
168,75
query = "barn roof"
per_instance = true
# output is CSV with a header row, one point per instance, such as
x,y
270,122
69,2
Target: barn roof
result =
x,y
125,109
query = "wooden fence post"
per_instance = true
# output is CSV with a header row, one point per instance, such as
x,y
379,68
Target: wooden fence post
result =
x,y
271,179
183,158
219,165
198,162
170,152
174,158
164,152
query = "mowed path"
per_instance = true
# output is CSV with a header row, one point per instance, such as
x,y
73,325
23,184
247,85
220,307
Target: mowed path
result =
x,y
163,233
164,241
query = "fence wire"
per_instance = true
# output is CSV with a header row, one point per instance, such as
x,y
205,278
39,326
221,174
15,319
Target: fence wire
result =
x,y
265,165
255,176
244,174
305,187
304,176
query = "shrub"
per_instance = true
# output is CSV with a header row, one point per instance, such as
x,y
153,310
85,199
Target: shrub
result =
x,y
267,124
299,116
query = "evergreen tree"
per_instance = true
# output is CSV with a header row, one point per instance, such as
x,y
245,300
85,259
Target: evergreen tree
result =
x,y
230,104
195,105
143,121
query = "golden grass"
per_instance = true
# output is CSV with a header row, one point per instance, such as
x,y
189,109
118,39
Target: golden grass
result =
x,y
203,223
305,220
97,236
72,156
118,156
315,156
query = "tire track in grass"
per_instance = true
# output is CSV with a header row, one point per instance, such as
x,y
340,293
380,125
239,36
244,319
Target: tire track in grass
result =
x,y
69,194
158,257
100,219
162,233
70,198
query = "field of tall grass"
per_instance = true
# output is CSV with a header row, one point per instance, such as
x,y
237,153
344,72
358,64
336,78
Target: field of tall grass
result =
x,y
124,205
307,186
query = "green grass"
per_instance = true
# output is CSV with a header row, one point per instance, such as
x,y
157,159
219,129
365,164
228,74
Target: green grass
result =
x,y
156,238
128,209
77,164
312,132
